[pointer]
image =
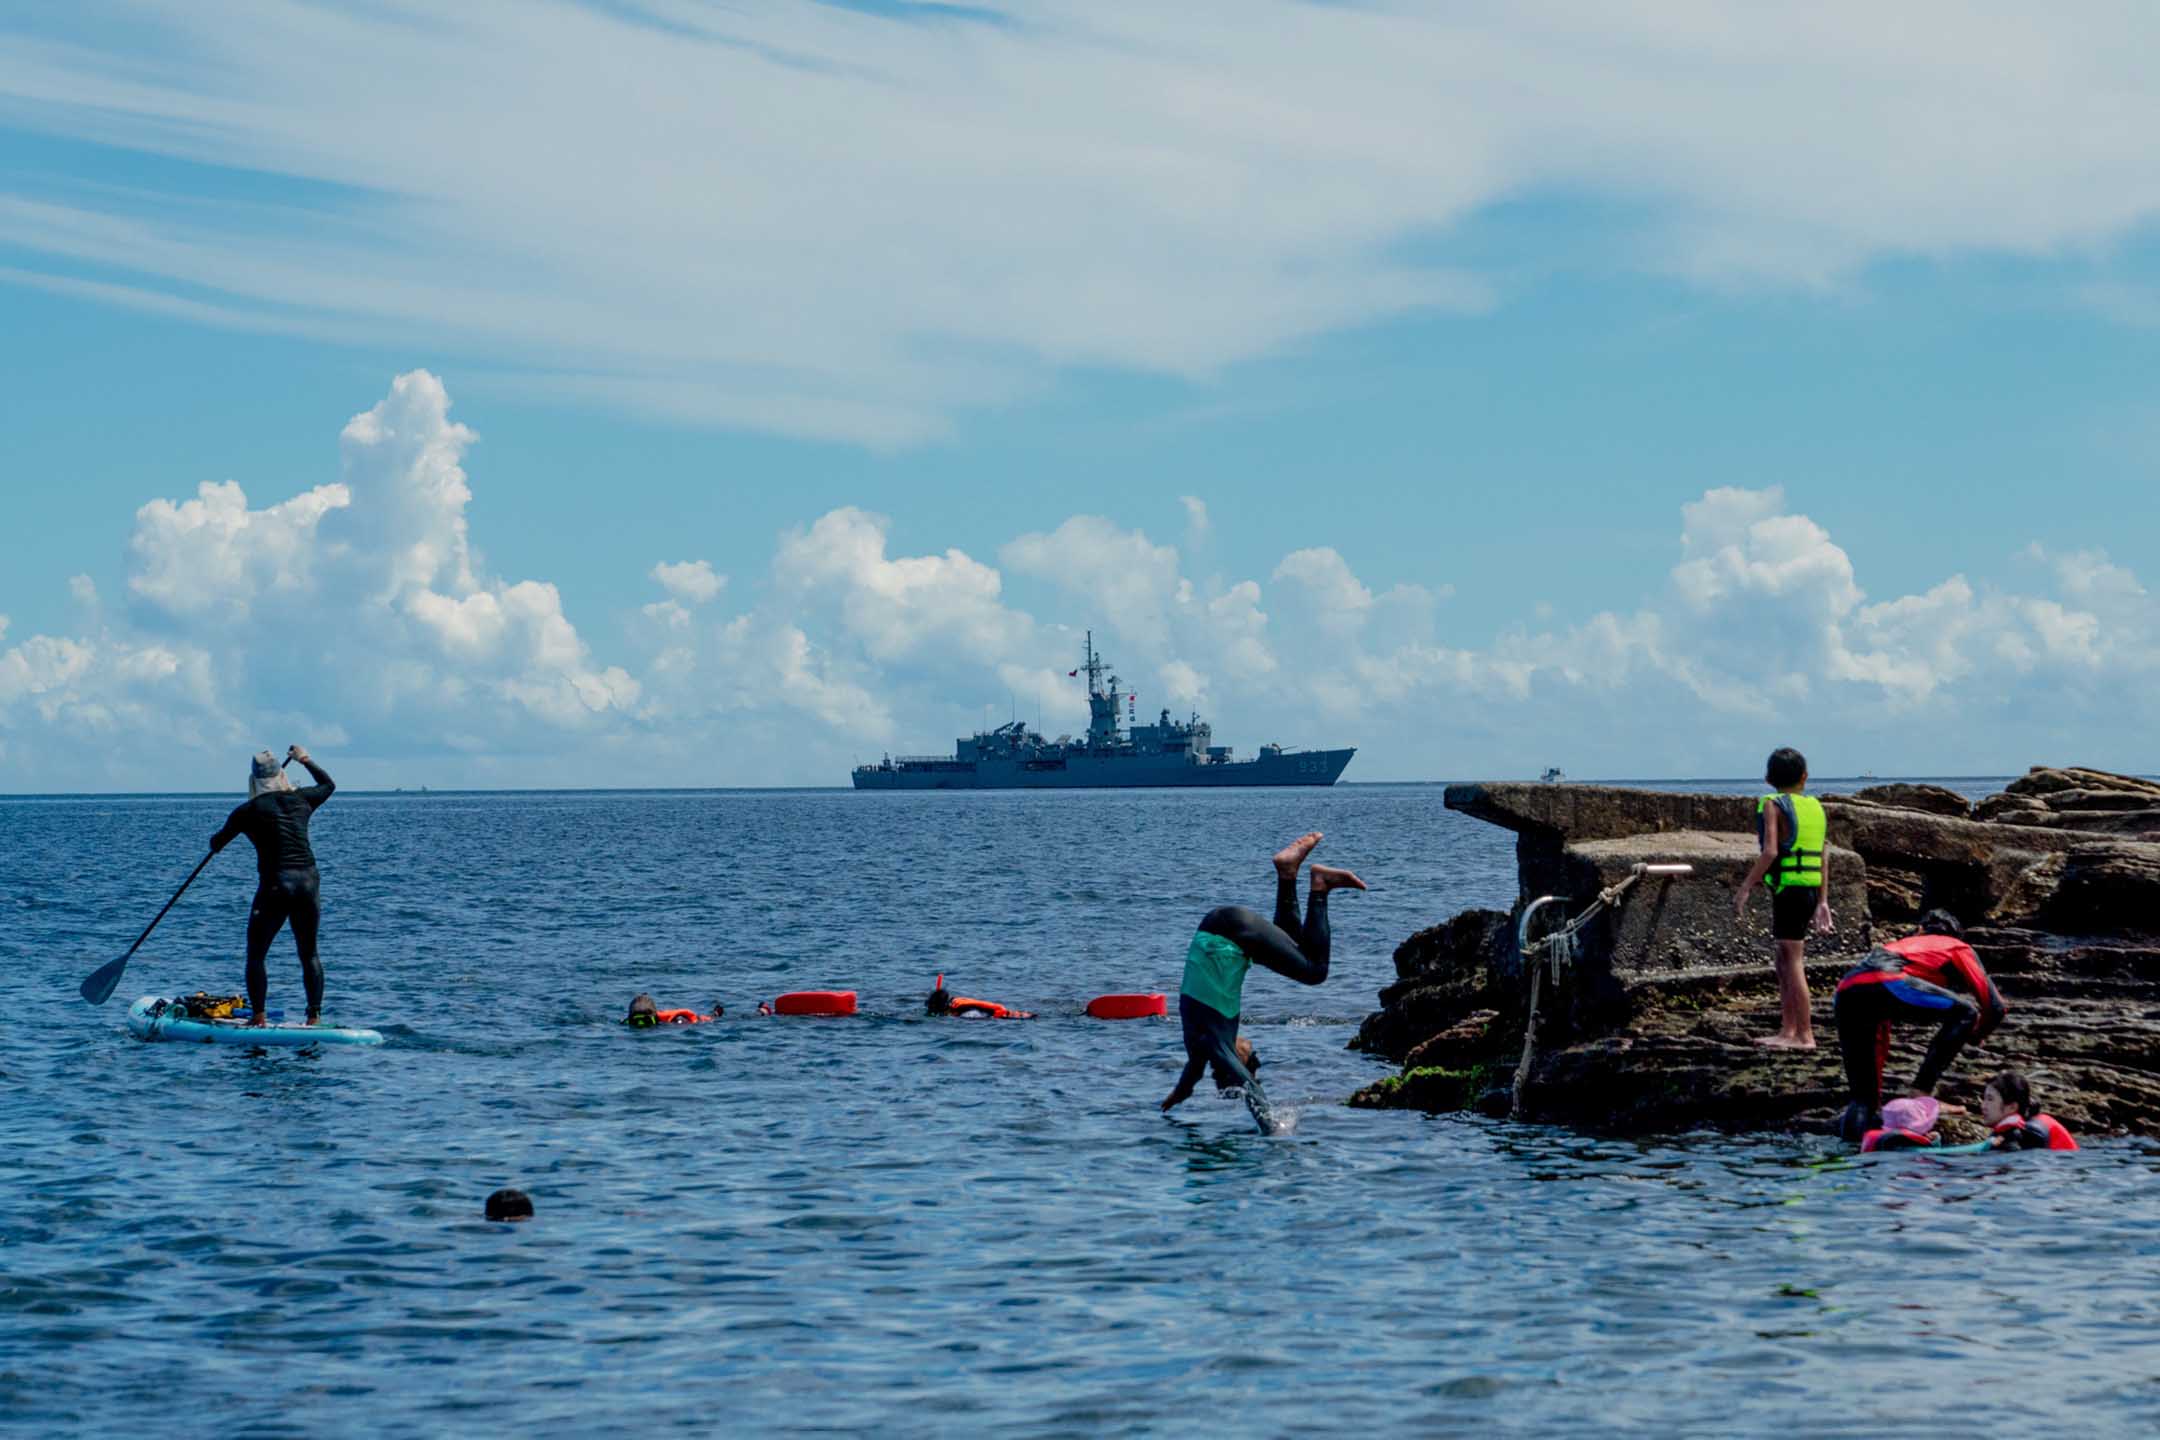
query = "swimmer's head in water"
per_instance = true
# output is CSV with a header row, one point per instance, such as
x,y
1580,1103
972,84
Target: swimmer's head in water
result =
x,y
940,1001
509,1204
1941,922
644,1011
2007,1094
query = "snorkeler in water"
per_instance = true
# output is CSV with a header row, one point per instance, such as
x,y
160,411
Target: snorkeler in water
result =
x,y
944,1002
1229,942
645,1013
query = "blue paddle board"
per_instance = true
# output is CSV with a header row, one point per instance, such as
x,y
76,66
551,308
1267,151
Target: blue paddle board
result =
x,y
153,1019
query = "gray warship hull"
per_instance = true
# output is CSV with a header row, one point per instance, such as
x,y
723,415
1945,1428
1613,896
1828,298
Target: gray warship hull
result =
x,y
1112,755
1102,772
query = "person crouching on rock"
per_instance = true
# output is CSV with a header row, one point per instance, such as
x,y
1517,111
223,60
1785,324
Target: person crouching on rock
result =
x,y
944,1002
2006,1104
1229,942
645,1013
1929,978
1794,864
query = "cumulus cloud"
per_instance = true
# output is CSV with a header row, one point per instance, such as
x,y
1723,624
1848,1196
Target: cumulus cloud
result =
x,y
700,253
690,581
898,605
361,608
364,596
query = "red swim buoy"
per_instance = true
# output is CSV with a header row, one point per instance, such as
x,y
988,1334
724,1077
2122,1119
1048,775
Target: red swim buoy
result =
x,y
815,1002
1127,1007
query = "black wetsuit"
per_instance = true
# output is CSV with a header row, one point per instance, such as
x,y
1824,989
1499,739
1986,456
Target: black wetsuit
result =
x,y
288,885
1286,946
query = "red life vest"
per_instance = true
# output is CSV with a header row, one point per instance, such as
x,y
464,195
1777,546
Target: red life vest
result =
x,y
990,1009
2041,1132
1934,958
681,1017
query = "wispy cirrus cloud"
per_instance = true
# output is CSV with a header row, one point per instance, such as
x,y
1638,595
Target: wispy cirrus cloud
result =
x,y
818,220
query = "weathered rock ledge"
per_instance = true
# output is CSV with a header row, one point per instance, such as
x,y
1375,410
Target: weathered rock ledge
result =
x,y
2057,879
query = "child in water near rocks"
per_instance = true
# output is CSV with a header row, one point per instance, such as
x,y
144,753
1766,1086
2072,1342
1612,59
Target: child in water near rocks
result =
x,y
2006,1104
1229,942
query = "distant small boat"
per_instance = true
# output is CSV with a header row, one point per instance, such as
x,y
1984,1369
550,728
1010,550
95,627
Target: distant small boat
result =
x,y
1553,776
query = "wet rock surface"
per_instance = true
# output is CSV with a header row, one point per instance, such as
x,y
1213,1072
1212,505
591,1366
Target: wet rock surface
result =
x,y
1652,1026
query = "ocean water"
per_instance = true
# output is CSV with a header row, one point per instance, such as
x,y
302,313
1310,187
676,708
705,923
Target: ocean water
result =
x,y
930,1227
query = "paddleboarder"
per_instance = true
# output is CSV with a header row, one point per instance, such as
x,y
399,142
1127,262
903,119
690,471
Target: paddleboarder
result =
x,y
1230,941
275,818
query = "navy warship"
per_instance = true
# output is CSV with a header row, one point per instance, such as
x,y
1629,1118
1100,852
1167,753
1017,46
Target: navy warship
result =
x,y
1169,752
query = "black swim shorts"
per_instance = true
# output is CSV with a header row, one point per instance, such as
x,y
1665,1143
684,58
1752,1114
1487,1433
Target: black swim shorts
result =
x,y
1792,909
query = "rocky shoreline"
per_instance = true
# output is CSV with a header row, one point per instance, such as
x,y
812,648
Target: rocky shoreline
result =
x,y
1651,1026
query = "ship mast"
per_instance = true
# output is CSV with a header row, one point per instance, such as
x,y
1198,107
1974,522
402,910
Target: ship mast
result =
x,y
1102,703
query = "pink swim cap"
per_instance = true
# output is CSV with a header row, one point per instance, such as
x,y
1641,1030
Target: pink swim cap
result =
x,y
1917,1113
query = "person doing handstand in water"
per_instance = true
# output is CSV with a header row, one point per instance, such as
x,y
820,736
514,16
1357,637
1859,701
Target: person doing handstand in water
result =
x,y
1229,942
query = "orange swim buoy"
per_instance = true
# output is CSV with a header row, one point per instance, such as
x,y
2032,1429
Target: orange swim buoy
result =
x,y
815,1002
1127,1007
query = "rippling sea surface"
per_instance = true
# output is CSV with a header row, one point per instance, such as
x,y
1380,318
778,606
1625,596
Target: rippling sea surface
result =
x,y
927,1226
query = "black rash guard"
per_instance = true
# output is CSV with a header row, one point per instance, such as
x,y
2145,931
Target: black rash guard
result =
x,y
288,891
277,822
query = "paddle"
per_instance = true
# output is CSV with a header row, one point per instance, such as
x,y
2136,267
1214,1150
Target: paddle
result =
x,y
106,978
99,987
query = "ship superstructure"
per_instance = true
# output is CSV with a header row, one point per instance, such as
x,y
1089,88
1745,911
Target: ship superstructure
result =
x,y
1168,752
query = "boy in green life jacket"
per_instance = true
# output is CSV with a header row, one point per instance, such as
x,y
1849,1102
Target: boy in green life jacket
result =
x,y
1794,864
1230,941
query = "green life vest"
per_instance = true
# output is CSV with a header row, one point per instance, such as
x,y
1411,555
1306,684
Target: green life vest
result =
x,y
1215,973
1801,828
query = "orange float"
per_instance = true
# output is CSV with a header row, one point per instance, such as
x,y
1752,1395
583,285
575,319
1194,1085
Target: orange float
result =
x,y
1127,1007
815,1002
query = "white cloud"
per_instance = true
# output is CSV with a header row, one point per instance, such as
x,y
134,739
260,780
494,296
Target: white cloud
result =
x,y
1197,525
362,609
689,580
1340,602
898,607
819,220
212,556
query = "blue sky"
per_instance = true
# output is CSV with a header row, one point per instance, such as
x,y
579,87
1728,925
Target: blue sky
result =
x,y
1553,389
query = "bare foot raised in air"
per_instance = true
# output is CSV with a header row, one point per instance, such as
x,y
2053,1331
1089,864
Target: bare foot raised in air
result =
x,y
1782,1041
1292,855
1329,877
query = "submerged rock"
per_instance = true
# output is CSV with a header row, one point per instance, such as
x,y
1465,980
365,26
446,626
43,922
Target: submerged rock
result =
x,y
1653,1021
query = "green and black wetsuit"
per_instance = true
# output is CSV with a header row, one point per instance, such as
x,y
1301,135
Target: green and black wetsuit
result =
x,y
1229,942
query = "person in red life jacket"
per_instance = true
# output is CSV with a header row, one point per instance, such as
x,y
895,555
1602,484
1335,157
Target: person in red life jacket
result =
x,y
1929,978
943,1002
1907,1124
2006,1104
645,1014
